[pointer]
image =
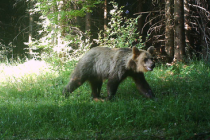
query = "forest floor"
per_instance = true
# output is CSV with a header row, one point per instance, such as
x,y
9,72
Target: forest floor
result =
x,y
32,105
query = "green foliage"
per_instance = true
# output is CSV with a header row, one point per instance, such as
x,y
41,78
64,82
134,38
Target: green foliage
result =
x,y
5,50
59,34
52,9
121,31
32,105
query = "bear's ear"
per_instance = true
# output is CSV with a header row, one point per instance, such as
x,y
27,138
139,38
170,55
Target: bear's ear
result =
x,y
135,52
151,50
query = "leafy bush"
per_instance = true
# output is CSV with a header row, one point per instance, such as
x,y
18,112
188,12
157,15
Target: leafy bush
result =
x,y
121,31
65,48
59,38
5,50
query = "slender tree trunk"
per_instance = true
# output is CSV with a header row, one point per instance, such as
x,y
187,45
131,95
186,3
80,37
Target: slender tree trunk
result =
x,y
63,20
179,33
88,21
204,41
188,39
30,35
140,20
54,28
59,33
76,8
169,30
105,16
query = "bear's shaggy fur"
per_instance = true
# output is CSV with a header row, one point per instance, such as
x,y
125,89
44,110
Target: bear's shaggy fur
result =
x,y
115,65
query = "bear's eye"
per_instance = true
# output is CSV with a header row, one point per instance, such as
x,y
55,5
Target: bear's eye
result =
x,y
145,59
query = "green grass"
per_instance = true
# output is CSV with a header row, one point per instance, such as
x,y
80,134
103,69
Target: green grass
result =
x,y
32,105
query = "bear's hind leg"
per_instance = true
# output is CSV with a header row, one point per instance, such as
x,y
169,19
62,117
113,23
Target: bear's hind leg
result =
x,y
72,85
96,88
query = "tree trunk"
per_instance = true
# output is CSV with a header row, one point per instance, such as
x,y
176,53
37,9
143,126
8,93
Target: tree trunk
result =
x,y
204,42
54,27
179,33
77,19
169,30
105,16
30,35
60,32
188,39
88,21
140,20
63,18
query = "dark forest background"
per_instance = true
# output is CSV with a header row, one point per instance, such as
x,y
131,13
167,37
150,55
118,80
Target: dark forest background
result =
x,y
179,29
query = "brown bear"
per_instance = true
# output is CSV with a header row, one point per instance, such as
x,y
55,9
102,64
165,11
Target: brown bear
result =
x,y
114,64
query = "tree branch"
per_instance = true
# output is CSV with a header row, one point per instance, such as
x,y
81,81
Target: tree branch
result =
x,y
200,8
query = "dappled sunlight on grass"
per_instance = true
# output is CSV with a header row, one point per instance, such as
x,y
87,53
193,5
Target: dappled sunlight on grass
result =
x,y
28,71
29,80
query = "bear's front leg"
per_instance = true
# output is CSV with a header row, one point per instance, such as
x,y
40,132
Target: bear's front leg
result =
x,y
112,86
142,85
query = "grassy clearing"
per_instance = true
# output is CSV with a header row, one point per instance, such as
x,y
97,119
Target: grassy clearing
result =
x,y
32,105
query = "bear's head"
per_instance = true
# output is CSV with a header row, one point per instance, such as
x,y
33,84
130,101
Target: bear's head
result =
x,y
142,61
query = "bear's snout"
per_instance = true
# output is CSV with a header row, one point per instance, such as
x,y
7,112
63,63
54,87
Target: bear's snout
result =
x,y
152,66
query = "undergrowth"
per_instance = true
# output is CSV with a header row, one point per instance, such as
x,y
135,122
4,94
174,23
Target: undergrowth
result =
x,y
32,105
